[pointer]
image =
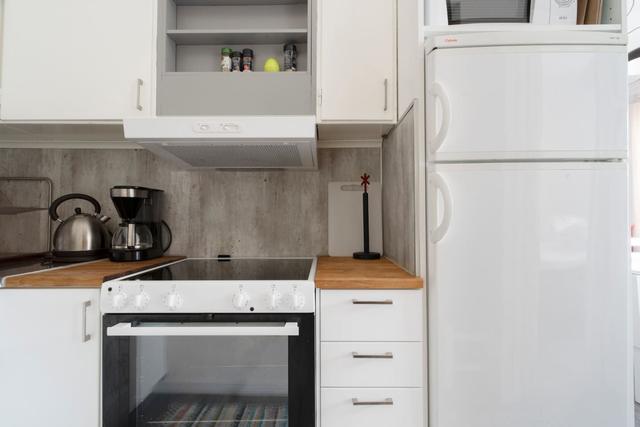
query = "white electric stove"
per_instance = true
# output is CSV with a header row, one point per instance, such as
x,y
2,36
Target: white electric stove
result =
x,y
223,341
216,285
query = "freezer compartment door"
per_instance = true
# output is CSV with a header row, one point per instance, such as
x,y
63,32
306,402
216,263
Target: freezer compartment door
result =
x,y
520,102
528,295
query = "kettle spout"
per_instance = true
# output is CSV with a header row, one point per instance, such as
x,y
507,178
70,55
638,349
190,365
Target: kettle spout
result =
x,y
103,218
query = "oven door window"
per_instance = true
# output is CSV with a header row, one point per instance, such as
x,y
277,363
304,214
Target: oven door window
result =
x,y
208,370
209,381
216,381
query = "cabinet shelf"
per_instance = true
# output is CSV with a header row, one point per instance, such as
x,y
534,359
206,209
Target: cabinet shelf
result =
x,y
253,75
215,37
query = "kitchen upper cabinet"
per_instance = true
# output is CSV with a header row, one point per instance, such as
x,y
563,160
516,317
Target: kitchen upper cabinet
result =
x,y
357,61
77,59
49,357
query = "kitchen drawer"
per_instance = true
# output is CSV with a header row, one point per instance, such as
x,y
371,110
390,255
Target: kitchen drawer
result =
x,y
391,364
371,315
401,408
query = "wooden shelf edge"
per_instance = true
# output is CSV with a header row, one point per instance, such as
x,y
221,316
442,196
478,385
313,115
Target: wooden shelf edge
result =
x,y
407,284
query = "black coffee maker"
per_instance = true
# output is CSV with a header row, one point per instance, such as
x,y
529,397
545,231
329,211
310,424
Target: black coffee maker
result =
x,y
141,234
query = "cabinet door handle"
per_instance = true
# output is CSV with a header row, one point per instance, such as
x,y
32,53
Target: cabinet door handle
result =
x,y
382,302
386,94
387,355
85,306
138,94
358,402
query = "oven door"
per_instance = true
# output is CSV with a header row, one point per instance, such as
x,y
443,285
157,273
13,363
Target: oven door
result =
x,y
223,370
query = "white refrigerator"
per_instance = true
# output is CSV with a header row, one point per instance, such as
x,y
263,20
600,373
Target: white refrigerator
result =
x,y
527,231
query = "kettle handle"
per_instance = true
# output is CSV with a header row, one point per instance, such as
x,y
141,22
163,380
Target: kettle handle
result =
x,y
166,226
53,209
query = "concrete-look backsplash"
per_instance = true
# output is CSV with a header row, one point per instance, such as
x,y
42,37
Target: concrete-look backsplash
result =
x,y
242,213
398,197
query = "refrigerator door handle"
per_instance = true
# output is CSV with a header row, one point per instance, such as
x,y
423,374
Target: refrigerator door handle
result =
x,y
437,92
439,230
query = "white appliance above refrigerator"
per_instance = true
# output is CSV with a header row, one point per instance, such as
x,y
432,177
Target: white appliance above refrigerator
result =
x,y
527,209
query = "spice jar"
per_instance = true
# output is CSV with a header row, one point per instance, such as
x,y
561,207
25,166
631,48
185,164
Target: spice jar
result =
x,y
247,60
225,60
290,57
236,61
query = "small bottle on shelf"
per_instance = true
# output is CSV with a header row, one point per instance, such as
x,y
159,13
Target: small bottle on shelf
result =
x,y
290,57
236,61
225,60
247,60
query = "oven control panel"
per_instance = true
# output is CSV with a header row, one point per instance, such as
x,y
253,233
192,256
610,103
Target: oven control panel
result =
x,y
132,296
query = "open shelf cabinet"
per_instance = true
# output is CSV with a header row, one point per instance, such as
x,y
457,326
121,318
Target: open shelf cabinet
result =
x,y
191,35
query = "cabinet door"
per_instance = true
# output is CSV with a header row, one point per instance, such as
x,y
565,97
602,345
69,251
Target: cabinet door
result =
x,y
521,102
77,59
528,293
50,370
357,60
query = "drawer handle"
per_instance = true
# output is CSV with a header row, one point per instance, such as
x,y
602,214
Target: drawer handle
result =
x,y
383,302
357,402
387,355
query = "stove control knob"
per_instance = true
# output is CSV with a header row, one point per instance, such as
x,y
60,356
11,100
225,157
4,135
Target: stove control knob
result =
x,y
274,299
173,301
119,300
298,300
241,300
141,301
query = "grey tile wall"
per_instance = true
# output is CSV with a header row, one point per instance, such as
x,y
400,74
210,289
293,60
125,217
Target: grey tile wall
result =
x,y
398,194
243,213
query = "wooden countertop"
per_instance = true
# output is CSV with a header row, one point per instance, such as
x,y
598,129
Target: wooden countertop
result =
x,y
349,273
87,275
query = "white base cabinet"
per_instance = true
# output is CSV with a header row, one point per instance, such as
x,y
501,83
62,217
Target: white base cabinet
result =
x,y
371,358
395,364
371,407
49,357
371,315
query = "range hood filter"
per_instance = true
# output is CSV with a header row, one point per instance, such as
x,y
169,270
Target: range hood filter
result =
x,y
263,156
252,142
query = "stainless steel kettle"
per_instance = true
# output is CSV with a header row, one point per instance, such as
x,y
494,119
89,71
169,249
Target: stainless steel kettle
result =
x,y
82,236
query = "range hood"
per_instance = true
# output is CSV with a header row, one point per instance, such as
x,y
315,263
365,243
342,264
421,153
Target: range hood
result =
x,y
233,142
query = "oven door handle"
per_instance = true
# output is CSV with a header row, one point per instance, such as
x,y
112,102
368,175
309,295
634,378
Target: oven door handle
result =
x,y
288,329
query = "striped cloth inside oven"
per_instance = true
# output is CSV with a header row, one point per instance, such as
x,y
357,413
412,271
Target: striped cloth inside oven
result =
x,y
214,411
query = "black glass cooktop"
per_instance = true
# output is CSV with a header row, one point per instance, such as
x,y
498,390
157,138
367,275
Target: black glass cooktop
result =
x,y
232,269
